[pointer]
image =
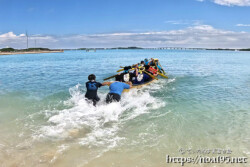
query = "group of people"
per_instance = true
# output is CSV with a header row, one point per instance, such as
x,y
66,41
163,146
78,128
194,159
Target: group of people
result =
x,y
116,89
139,73
135,75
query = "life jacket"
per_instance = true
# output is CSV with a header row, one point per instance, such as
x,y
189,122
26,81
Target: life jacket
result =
x,y
126,77
152,70
139,77
141,69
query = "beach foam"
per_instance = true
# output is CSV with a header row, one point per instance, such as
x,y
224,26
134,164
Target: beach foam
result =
x,y
96,126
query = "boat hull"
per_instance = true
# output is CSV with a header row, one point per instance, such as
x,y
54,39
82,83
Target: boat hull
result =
x,y
139,86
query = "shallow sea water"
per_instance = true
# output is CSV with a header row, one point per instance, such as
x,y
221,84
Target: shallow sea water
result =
x,y
45,120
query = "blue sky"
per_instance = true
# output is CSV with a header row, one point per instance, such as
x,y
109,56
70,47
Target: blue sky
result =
x,y
57,19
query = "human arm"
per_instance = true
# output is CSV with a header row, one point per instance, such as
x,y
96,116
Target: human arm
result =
x,y
106,83
136,70
128,85
99,84
156,74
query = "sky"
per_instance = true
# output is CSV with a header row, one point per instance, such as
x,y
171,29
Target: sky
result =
x,y
122,23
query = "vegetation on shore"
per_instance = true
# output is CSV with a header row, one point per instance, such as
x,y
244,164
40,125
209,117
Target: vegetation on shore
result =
x,y
26,50
132,47
7,50
244,49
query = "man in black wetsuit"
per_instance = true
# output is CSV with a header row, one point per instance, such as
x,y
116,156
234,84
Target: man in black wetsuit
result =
x,y
92,87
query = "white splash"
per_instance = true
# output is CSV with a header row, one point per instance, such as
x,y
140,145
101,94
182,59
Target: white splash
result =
x,y
96,126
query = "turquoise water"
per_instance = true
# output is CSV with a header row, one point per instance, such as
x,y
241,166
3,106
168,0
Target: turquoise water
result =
x,y
45,121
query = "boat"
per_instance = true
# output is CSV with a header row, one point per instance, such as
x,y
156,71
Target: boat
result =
x,y
153,78
138,86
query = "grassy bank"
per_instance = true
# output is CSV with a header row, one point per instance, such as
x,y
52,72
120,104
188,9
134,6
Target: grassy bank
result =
x,y
10,51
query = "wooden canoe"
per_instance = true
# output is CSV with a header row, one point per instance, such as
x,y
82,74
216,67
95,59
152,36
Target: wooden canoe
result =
x,y
138,86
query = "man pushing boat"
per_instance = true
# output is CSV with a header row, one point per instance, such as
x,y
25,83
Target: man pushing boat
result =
x,y
115,90
92,88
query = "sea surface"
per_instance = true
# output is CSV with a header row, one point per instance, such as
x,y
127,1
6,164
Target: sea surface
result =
x,y
45,120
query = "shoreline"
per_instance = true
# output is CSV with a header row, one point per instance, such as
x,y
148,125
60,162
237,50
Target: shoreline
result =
x,y
30,52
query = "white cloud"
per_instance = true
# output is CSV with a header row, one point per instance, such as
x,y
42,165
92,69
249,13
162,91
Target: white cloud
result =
x,y
204,36
230,2
243,25
8,35
19,41
233,2
184,22
176,22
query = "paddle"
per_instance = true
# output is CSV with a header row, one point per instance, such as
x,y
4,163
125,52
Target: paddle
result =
x,y
110,77
114,75
152,76
156,65
161,68
164,76
159,73
120,70
123,68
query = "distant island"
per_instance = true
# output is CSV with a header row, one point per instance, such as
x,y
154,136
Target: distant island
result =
x,y
10,51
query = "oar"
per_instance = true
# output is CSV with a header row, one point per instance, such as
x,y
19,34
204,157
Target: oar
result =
x,y
152,76
123,68
161,68
159,73
115,75
120,70
156,65
164,76
110,77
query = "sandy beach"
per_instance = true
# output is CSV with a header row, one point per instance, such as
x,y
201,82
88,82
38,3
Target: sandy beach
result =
x,y
33,52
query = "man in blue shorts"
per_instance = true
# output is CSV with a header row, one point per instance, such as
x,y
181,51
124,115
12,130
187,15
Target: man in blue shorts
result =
x,y
116,89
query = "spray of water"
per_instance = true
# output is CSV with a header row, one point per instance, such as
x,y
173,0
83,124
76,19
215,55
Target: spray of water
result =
x,y
97,127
